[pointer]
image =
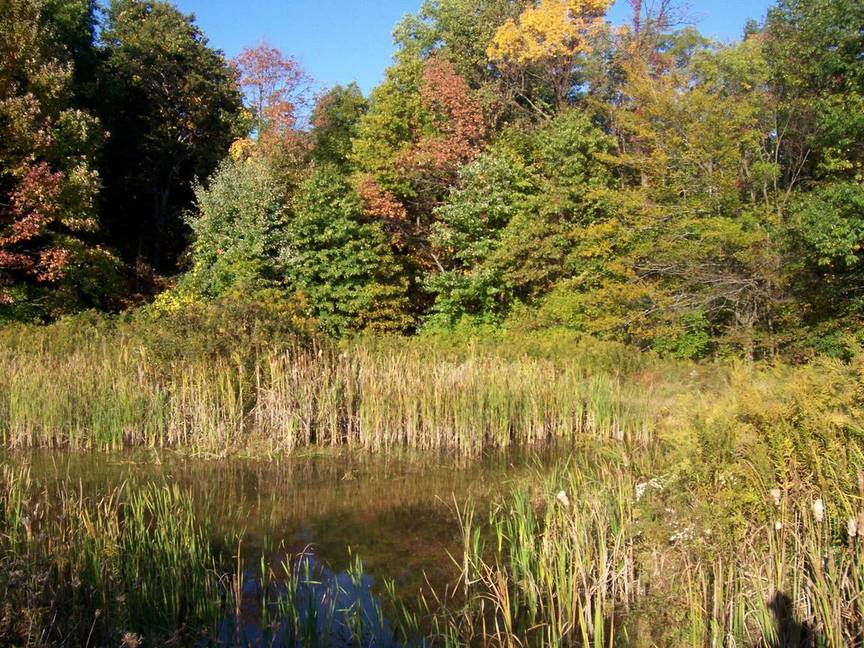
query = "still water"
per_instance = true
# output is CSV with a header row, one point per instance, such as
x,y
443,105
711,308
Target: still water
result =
x,y
398,514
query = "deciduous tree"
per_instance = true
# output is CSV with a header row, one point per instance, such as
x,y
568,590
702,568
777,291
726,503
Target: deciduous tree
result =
x,y
549,39
49,261
335,121
277,88
172,107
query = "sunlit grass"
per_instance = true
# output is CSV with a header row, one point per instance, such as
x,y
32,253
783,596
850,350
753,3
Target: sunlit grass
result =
x,y
108,397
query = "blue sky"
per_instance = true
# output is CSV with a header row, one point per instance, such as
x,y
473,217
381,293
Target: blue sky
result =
x,y
340,41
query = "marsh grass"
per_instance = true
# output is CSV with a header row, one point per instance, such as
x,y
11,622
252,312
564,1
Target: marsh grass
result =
x,y
112,396
695,523
578,556
554,567
140,564
81,570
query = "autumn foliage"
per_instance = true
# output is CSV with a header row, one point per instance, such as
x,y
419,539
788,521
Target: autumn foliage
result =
x,y
523,163
458,120
448,132
552,35
277,88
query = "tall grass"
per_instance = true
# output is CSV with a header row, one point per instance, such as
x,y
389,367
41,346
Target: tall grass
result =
x,y
140,566
80,570
799,584
591,554
553,572
726,507
108,396
588,565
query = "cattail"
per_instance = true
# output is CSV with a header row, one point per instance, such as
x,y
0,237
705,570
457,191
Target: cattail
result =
x,y
775,495
818,511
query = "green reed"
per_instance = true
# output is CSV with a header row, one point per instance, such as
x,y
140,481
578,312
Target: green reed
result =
x,y
556,568
585,555
112,396
88,569
694,523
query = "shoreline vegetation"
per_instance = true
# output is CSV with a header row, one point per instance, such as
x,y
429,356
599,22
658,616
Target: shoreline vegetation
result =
x,y
592,552
371,394
91,382
702,504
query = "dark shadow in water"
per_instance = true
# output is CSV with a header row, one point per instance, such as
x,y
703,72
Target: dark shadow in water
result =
x,y
791,633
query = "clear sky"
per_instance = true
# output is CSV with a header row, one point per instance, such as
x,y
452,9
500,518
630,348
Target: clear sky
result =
x,y
339,41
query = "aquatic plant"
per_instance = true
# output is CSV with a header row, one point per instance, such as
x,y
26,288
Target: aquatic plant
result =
x,y
110,395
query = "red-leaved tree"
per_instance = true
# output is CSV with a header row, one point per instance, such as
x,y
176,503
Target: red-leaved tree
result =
x,y
277,88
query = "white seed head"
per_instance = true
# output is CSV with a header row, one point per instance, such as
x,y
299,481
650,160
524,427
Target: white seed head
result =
x,y
818,511
852,527
562,497
778,525
775,495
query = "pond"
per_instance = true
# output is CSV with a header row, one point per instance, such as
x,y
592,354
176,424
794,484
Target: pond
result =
x,y
316,515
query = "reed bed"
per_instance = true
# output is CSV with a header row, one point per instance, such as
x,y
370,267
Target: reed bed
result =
x,y
83,571
591,553
581,561
107,398
557,569
723,505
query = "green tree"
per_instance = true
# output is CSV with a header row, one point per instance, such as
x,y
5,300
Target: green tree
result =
x,y
459,30
343,266
696,144
172,107
490,192
387,130
568,228
423,124
239,230
49,262
528,214
335,122
816,52
816,55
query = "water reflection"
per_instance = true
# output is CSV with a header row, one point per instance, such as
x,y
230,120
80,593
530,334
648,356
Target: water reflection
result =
x,y
396,512
313,605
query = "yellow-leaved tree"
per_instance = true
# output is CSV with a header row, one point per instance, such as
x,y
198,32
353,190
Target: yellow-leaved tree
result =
x,y
549,40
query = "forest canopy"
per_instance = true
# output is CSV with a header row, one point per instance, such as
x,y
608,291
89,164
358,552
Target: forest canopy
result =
x,y
523,165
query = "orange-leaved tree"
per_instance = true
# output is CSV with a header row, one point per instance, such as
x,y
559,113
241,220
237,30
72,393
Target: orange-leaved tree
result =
x,y
276,87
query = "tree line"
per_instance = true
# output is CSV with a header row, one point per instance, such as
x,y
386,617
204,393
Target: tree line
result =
x,y
524,164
